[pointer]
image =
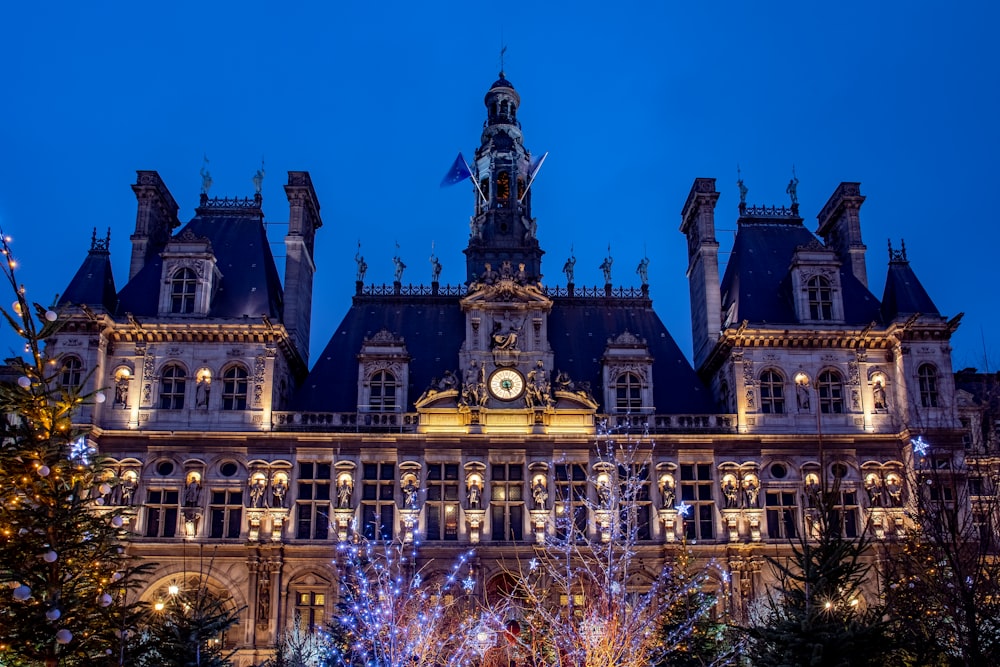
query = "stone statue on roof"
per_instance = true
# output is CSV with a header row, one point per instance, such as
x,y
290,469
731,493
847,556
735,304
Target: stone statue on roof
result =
x,y
435,266
258,178
606,267
568,266
362,266
643,270
792,189
399,266
206,177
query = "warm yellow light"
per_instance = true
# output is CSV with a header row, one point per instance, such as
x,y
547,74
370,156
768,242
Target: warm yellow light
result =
x,y
158,606
173,589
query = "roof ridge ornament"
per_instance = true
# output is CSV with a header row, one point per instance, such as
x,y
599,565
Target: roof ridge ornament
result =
x,y
898,256
100,245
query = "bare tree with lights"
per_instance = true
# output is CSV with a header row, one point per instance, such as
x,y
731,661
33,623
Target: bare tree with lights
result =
x,y
393,614
594,594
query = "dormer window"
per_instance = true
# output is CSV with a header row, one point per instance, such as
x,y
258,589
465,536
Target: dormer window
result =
x,y
820,297
382,392
182,289
628,393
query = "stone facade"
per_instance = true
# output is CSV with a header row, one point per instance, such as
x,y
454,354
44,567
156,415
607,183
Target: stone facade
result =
x,y
464,415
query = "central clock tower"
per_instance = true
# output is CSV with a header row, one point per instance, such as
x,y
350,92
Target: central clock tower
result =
x,y
501,228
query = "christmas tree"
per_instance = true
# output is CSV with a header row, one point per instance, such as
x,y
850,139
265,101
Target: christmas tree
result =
x,y
63,568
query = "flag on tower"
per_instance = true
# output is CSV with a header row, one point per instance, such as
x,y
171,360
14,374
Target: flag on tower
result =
x,y
459,172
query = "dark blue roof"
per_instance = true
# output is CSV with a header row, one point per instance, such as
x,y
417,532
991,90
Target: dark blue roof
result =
x,y
904,295
757,276
433,330
502,82
250,285
93,285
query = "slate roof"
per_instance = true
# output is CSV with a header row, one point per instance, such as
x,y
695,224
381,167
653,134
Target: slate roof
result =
x,y
757,276
904,295
93,285
433,329
250,285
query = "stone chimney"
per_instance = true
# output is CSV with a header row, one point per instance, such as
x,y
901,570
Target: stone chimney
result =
x,y
840,227
698,224
303,221
156,216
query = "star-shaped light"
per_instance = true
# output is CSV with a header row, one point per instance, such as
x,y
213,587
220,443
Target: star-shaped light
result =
x,y
469,584
920,446
417,579
533,564
683,509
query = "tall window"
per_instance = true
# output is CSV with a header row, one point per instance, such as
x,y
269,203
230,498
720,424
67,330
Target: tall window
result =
x,y
628,393
772,392
696,491
310,607
313,501
831,392
172,382
507,501
234,388
571,500
927,377
72,372
634,502
820,298
182,287
442,501
382,396
782,514
847,512
226,513
378,504
161,512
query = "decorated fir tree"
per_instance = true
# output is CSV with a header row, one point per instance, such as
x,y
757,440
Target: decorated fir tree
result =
x,y
63,569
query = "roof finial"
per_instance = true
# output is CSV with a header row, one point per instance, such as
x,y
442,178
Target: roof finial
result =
x,y
503,50
898,256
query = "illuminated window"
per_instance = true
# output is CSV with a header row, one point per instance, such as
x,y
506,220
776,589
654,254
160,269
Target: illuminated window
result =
x,y
820,298
571,500
310,609
503,185
927,377
831,392
442,501
182,288
172,382
382,394
772,392
507,501
234,388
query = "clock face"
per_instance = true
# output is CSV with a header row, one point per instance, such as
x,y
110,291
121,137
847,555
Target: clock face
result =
x,y
506,384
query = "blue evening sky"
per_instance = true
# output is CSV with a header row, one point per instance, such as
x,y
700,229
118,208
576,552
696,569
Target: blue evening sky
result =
x,y
632,100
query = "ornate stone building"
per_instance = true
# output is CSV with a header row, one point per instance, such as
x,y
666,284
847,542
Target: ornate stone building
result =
x,y
467,415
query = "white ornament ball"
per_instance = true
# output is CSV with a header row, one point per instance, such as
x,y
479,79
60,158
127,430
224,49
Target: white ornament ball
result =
x,y
51,315
64,636
104,488
104,600
43,471
99,501
53,614
100,397
23,382
117,521
50,556
22,593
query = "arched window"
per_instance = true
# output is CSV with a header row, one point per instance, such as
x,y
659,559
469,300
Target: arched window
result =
x,y
831,392
628,393
172,382
182,287
72,372
820,298
772,392
234,388
382,394
927,377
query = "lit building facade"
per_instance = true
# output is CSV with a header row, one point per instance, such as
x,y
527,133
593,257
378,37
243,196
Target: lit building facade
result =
x,y
467,415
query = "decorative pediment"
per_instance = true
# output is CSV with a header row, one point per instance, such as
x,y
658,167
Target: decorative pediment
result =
x,y
384,337
506,285
626,339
